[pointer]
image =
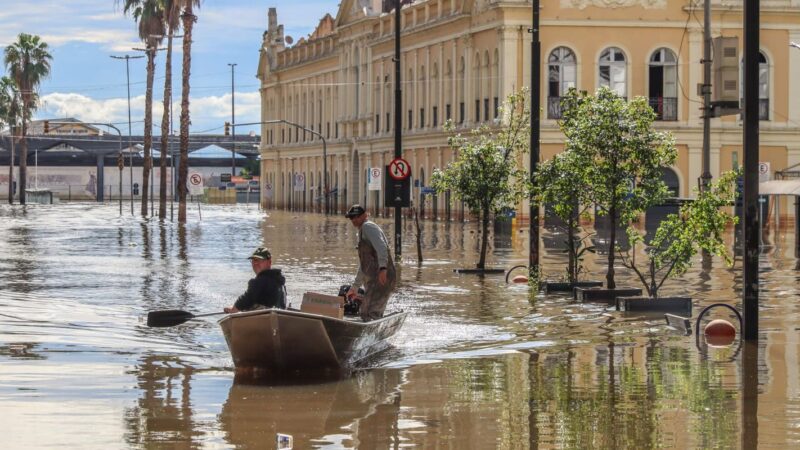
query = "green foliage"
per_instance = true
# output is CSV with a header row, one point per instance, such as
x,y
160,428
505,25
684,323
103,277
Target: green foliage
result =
x,y
698,225
624,155
562,184
10,103
486,173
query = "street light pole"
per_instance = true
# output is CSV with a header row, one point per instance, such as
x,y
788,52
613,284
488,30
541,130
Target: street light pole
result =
x,y
127,59
398,128
533,263
233,120
313,133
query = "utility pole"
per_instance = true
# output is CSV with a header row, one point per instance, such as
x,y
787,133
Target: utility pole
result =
x,y
705,177
752,222
533,263
127,59
233,121
398,127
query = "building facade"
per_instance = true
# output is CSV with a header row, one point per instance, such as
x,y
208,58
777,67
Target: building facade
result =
x,y
461,58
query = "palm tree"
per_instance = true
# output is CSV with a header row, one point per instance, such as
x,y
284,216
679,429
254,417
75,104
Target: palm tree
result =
x,y
28,63
188,18
172,23
149,15
10,112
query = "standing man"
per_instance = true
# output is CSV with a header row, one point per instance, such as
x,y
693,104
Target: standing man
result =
x,y
376,270
266,290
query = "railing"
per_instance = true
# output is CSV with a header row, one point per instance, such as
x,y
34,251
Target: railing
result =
x,y
666,108
554,107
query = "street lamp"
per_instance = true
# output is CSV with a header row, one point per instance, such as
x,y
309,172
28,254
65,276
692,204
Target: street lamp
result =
x,y
313,133
127,59
233,120
794,44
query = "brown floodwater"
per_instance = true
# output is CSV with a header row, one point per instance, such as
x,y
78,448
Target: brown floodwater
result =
x,y
479,363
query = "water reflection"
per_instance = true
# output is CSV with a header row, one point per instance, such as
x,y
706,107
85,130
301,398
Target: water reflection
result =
x,y
361,411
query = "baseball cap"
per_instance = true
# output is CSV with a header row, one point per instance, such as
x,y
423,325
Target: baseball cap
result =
x,y
261,253
355,211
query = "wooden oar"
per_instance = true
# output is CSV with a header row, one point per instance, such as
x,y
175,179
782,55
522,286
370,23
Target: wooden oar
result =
x,y
172,317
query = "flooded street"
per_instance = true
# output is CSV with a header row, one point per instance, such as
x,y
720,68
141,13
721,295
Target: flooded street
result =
x,y
478,364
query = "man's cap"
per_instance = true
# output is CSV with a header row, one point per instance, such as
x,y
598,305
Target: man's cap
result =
x,y
261,253
355,211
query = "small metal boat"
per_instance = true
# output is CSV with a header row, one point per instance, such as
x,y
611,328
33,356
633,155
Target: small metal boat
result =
x,y
287,340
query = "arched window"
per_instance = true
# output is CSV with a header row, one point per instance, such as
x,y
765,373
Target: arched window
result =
x,y
448,91
663,90
613,71
423,95
763,86
561,77
476,84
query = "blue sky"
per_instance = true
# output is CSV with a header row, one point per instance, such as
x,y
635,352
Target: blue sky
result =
x,y
86,83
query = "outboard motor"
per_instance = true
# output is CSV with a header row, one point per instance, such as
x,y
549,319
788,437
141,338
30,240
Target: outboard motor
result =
x,y
351,306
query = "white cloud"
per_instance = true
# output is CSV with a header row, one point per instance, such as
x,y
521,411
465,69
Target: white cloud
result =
x,y
206,113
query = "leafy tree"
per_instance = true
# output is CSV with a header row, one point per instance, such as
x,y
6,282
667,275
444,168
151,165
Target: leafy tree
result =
x,y
28,63
486,173
562,184
697,225
188,17
625,154
149,15
10,116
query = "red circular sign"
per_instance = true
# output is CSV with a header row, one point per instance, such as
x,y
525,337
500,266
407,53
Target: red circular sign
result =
x,y
399,169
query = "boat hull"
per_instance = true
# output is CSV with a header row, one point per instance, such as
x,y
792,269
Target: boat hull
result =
x,y
278,340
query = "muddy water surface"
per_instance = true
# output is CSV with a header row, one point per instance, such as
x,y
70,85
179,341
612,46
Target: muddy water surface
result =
x,y
478,364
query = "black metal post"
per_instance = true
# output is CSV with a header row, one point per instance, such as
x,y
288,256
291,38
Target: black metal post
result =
x,y
705,177
398,127
534,144
752,225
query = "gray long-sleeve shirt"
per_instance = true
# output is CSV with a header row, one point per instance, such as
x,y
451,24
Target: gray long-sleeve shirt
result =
x,y
372,233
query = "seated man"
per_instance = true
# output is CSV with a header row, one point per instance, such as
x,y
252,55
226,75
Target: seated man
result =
x,y
266,290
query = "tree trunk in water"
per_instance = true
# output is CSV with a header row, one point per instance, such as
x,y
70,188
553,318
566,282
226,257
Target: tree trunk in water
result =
x,y
23,162
612,243
148,129
165,130
484,237
419,236
183,169
572,271
11,170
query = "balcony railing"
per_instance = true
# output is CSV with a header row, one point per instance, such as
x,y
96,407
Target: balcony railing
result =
x,y
666,108
554,107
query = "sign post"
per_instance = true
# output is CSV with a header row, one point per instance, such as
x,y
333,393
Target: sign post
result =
x,y
196,189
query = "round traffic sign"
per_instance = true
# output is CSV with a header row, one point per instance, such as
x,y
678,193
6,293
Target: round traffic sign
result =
x,y
763,168
399,169
195,179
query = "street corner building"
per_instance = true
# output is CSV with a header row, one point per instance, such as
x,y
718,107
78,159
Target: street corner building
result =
x,y
461,58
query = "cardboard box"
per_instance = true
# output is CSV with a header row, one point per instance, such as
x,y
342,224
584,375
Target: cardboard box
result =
x,y
324,305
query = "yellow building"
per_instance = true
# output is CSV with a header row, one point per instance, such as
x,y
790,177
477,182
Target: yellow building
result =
x,y
461,58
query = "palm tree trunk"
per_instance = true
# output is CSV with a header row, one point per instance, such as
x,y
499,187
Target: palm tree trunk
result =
x,y
148,129
183,169
165,125
23,161
11,169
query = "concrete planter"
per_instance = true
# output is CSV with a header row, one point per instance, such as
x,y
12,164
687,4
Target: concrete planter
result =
x,y
608,296
558,286
675,305
481,271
